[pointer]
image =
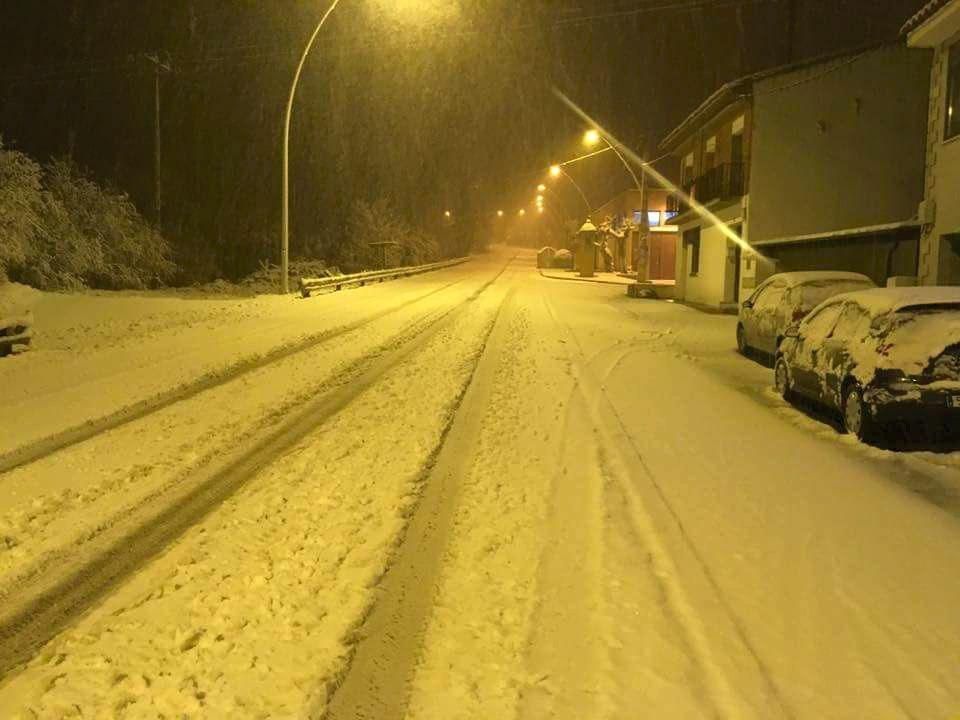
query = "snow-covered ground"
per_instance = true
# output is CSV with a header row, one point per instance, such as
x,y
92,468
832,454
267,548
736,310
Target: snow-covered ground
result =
x,y
631,523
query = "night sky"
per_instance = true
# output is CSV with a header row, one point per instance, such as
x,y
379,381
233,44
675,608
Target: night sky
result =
x,y
433,104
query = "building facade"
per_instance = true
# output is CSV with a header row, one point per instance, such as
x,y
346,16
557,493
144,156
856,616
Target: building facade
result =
x,y
814,166
621,221
937,27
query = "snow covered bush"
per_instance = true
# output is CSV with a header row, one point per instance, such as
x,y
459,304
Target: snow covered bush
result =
x,y
379,222
21,207
61,230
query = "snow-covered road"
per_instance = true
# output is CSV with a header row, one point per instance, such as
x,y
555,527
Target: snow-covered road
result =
x,y
479,493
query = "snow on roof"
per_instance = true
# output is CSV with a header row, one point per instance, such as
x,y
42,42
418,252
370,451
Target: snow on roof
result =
x,y
883,300
808,276
844,233
923,15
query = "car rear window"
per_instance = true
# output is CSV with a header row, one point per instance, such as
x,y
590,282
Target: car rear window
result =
x,y
814,293
917,335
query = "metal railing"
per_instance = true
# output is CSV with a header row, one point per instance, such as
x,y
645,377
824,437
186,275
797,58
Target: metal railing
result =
x,y
720,183
338,282
14,331
677,204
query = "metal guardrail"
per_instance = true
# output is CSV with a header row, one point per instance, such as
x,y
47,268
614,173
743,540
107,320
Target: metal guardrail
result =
x,y
338,282
14,331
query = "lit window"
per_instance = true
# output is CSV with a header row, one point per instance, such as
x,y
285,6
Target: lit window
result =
x,y
637,217
952,120
653,218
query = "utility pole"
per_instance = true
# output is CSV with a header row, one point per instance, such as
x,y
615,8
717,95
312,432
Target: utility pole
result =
x,y
159,68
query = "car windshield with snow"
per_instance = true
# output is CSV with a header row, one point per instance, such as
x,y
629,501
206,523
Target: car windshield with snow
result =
x,y
786,298
879,357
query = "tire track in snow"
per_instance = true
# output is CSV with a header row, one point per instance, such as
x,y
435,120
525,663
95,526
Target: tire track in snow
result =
x,y
566,651
73,436
50,602
626,461
376,683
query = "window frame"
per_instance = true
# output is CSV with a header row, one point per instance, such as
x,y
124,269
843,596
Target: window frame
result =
x,y
776,286
951,110
838,306
850,306
692,239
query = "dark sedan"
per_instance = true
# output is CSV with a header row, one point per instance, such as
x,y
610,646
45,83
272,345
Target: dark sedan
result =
x,y
878,356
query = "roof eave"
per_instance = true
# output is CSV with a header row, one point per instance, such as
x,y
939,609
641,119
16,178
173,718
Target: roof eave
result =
x,y
712,106
935,29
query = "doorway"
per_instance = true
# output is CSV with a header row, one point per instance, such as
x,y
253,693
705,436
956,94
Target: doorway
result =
x,y
731,293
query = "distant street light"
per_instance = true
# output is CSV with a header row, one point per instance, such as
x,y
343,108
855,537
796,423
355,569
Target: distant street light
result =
x,y
499,213
541,188
447,214
555,171
522,212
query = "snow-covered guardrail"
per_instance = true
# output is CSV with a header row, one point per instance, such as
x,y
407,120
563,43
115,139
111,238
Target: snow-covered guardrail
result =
x,y
15,331
338,282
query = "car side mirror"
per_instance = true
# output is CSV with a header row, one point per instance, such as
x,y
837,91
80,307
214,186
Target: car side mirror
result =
x,y
793,331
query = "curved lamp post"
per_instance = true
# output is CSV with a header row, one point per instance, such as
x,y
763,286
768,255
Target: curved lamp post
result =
x,y
592,137
285,224
557,171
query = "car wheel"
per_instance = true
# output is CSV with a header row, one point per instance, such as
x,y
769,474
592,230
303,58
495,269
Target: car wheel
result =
x,y
781,379
856,413
742,341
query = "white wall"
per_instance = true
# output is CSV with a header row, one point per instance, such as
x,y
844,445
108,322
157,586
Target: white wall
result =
x,y
708,286
839,145
942,181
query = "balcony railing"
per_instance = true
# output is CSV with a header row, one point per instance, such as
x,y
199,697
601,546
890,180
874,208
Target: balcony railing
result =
x,y
720,183
677,204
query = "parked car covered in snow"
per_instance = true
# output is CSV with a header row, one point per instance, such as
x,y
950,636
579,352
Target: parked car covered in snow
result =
x,y
878,356
545,257
786,298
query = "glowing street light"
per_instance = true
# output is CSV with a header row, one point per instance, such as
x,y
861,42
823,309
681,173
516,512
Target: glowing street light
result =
x,y
522,212
555,171
541,188
499,213
591,137
447,214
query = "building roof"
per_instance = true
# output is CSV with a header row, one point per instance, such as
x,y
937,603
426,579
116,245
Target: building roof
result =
x,y
923,15
732,91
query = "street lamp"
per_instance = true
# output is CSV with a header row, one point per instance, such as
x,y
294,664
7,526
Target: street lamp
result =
x,y
447,214
557,170
285,223
522,212
499,213
592,137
